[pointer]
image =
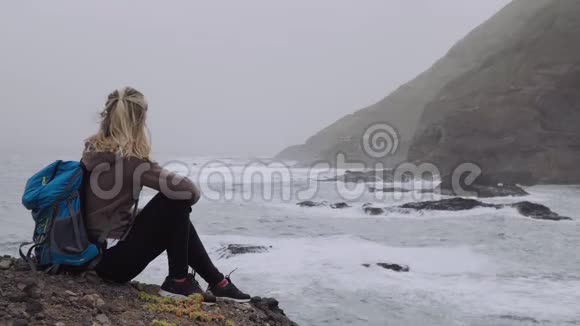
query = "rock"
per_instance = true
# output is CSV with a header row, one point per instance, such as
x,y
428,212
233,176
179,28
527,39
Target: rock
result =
x,y
59,324
528,209
100,302
271,308
114,308
369,176
360,176
34,307
138,286
451,204
70,293
521,319
374,211
310,203
501,190
5,263
394,267
17,297
20,265
240,249
103,320
482,189
389,266
402,211
339,205
20,322
16,309
537,211
92,300
93,278
388,189
32,290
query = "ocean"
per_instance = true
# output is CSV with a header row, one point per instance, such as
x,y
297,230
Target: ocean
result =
x,y
477,267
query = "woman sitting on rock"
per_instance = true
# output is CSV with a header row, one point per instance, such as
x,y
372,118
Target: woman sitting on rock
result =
x,y
118,165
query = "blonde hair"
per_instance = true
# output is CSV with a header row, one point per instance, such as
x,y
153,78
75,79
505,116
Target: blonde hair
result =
x,y
123,127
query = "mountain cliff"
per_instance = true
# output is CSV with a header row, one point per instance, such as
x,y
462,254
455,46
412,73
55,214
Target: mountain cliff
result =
x,y
403,109
517,112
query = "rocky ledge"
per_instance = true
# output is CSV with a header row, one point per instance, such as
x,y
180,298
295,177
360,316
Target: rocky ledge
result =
x,y
36,298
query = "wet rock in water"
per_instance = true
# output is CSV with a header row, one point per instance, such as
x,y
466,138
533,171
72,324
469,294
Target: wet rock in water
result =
x,y
339,205
402,211
240,249
521,319
389,266
356,177
500,190
394,267
369,176
537,211
388,189
451,204
373,211
310,203
528,209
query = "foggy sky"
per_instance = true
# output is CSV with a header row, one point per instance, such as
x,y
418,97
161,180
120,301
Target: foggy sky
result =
x,y
222,77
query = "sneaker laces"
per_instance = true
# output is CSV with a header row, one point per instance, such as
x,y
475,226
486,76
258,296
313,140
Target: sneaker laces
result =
x,y
230,274
193,275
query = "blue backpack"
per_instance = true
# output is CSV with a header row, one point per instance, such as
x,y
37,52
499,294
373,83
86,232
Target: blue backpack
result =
x,y
60,238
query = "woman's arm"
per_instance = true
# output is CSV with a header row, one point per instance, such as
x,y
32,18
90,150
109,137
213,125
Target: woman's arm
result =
x,y
171,184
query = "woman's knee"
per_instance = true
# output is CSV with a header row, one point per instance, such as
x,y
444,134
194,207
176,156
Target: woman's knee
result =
x,y
173,204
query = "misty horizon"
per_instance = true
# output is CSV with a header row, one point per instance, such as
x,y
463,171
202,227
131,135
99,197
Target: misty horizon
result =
x,y
237,79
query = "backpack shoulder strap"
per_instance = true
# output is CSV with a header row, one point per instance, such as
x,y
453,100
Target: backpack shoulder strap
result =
x,y
110,226
28,257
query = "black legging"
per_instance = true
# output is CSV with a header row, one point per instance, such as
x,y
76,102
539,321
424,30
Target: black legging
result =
x,y
162,225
